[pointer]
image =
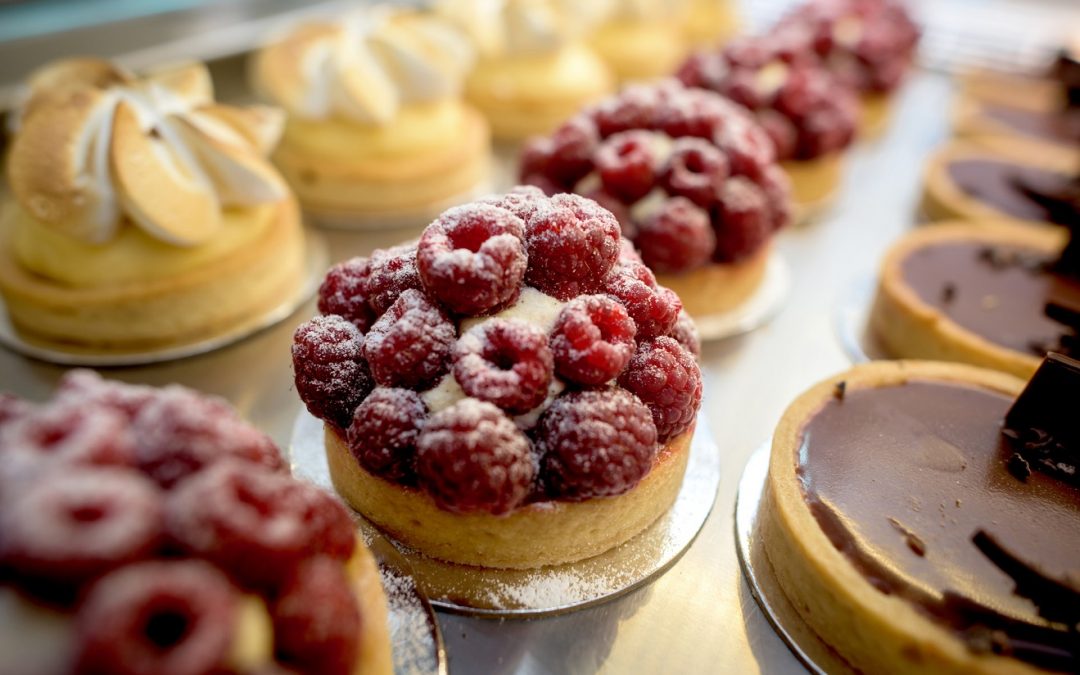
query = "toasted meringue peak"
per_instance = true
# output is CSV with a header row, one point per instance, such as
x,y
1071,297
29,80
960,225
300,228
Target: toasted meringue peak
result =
x,y
96,146
365,66
523,27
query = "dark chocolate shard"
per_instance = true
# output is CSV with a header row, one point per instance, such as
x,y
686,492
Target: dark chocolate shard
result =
x,y
1042,426
1062,204
839,390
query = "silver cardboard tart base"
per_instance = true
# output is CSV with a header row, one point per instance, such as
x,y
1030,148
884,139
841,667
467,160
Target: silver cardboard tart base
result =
x,y
852,323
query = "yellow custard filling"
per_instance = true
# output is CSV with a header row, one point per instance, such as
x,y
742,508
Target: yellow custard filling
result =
x,y
419,128
573,72
132,256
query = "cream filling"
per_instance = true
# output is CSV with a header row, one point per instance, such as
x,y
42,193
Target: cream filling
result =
x,y
533,307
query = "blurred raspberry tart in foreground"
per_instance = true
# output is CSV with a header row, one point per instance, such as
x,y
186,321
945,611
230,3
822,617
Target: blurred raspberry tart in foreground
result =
x,y
377,125
153,531
535,68
690,175
809,114
513,391
142,213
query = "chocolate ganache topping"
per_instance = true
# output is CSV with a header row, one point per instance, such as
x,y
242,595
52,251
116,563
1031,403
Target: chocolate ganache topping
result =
x,y
1007,186
998,292
902,478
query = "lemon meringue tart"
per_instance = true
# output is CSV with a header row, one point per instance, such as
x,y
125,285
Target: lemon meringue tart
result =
x,y
376,127
535,69
643,39
143,214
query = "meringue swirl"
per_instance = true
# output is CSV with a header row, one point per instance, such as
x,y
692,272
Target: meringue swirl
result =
x,y
366,66
97,147
523,27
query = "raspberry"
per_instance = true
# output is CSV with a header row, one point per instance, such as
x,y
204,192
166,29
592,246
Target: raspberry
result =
x,y
331,375
64,434
344,292
694,112
181,432
781,131
522,200
625,163
618,209
571,150
410,344
633,108
743,221
595,443
628,252
592,340
685,333
392,271
472,259
777,188
383,433
316,620
667,379
653,308
748,147
70,527
572,245
696,169
678,238
506,362
254,524
83,386
470,457
175,617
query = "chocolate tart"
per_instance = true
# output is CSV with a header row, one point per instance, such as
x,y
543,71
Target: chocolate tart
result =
x,y
973,294
1051,133
879,481
969,182
534,535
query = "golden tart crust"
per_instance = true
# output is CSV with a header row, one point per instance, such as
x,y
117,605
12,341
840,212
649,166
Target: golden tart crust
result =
x,y
718,287
195,304
942,199
972,122
873,632
814,183
910,328
534,535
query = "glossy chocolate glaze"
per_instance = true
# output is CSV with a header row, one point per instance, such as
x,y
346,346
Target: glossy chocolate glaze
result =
x,y
1049,126
1006,186
901,478
998,292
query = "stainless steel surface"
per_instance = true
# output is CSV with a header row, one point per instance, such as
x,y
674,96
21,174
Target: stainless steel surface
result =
x,y
316,260
853,322
553,590
699,617
747,503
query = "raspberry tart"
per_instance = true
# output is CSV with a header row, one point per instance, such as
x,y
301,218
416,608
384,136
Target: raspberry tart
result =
x,y
810,115
142,215
513,391
153,531
378,129
868,44
535,68
692,178
993,295
920,518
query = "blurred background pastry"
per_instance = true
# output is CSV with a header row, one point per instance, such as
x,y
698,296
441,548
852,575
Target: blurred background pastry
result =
x,y
535,68
643,39
141,212
377,127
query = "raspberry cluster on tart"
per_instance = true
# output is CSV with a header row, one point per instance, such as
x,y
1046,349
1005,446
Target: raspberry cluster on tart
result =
x,y
378,127
152,530
988,294
868,44
811,116
918,524
692,178
515,390
142,214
